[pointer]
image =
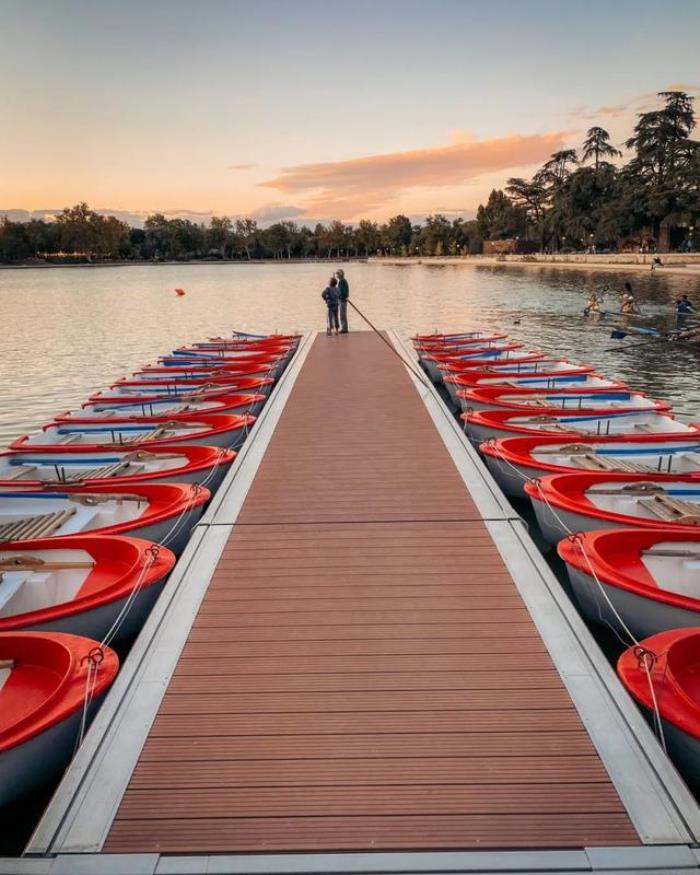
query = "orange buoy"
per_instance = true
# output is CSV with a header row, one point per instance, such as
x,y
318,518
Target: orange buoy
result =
x,y
179,292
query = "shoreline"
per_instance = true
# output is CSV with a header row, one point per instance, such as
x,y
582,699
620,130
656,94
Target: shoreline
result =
x,y
674,263
186,263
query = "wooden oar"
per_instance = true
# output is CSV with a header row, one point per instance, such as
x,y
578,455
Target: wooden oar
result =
x,y
18,563
680,554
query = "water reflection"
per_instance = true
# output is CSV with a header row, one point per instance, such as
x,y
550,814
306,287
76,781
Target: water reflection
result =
x,y
68,332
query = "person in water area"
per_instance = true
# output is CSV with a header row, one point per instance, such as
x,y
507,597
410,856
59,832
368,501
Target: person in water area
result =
x,y
331,297
594,304
683,306
343,295
628,304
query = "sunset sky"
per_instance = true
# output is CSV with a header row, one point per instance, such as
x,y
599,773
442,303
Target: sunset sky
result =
x,y
317,109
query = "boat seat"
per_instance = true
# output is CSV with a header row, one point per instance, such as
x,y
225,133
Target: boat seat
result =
x,y
111,470
37,526
672,510
19,471
593,462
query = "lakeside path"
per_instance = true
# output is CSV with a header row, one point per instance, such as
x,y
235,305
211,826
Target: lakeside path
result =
x,y
688,265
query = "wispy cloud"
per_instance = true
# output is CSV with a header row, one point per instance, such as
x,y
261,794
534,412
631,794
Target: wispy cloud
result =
x,y
347,188
276,213
241,166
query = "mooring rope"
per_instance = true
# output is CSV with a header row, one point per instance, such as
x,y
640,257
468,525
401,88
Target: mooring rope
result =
x,y
410,365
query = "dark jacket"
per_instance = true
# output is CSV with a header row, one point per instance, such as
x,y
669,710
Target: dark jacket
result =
x,y
330,296
343,289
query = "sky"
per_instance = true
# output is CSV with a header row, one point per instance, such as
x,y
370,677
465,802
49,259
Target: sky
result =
x,y
313,110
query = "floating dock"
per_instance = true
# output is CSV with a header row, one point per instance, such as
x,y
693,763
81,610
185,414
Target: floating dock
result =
x,y
363,664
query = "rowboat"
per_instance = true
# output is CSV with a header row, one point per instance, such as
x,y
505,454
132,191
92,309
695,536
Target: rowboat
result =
x,y
644,580
242,404
590,402
534,385
456,346
63,466
518,360
83,584
43,682
512,358
184,392
164,512
458,337
583,502
483,425
206,431
669,664
513,461
504,374
431,363
187,378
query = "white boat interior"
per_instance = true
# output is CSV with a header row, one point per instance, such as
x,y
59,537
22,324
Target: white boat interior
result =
x,y
556,365
25,516
672,502
675,566
176,389
74,467
158,407
661,458
120,433
643,422
584,381
32,580
191,375
608,400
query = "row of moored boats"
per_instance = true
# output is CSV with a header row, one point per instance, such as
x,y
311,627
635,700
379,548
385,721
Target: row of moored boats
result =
x,y
614,480
94,509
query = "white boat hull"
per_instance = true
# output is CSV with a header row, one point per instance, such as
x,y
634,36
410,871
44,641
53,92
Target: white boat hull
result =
x,y
553,530
643,616
97,622
511,478
173,533
40,759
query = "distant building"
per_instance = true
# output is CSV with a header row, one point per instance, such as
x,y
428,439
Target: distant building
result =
x,y
513,246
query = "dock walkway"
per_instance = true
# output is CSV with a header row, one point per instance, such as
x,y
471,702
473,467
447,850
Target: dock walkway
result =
x,y
363,672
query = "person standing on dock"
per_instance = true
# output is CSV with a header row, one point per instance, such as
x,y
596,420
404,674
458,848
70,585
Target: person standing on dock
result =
x,y
331,297
343,295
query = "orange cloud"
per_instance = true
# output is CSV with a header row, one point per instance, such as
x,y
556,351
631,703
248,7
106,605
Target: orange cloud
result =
x,y
346,188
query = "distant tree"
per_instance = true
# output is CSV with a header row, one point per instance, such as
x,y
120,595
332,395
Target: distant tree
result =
x,y
597,145
246,233
397,233
220,235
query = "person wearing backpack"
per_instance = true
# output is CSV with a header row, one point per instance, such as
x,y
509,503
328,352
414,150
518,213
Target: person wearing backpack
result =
x,y
331,297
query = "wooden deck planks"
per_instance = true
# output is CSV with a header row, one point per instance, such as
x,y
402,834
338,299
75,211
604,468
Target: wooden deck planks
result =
x,y
363,673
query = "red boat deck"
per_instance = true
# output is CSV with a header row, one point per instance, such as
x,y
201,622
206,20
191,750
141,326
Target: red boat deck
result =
x,y
363,674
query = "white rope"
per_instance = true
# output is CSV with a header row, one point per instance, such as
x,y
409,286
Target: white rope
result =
x,y
658,725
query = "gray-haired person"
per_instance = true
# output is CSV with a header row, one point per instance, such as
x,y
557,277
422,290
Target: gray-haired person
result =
x,y
343,295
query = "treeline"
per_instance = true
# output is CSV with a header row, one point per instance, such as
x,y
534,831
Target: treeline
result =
x,y
80,234
575,201
581,200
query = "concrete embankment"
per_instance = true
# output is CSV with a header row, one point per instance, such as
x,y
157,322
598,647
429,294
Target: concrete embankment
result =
x,y
688,264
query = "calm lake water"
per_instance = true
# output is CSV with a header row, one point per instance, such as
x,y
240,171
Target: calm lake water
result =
x,y
68,332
